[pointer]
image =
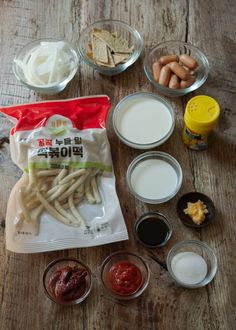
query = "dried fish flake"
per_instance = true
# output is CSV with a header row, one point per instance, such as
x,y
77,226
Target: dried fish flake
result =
x,y
99,49
108,48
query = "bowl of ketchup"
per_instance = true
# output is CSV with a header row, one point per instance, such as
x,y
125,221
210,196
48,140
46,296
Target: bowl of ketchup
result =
x,y
125,275
67,281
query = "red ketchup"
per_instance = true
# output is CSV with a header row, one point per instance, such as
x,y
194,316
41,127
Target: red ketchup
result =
x,y
68,283
124,278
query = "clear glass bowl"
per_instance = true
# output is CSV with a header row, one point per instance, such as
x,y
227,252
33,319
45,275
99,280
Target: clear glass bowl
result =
x,y
121,111
202,250
152,230
53,88
125,256
142,167
124,30
57,265
177,48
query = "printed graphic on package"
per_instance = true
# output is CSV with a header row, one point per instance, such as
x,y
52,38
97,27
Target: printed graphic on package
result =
x,y
66,197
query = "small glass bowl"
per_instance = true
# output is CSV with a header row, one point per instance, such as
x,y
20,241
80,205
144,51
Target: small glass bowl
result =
x,y
152,230
125,256
53,88
177,48
121,110
124,30
202,250
58,264
137,174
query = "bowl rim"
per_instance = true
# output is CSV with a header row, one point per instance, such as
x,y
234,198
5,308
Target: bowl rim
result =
x,y
53,85
156,214
145,283
65,259
120,67
197,243
156,155
176,92
143,146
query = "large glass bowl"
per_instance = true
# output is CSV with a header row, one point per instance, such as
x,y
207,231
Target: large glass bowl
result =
x,y
124,30
123,111
53,88
177,48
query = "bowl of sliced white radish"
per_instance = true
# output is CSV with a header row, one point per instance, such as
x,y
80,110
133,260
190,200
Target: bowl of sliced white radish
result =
x,y
46,65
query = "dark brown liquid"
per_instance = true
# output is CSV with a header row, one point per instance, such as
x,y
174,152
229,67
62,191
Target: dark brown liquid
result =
x,y
152,231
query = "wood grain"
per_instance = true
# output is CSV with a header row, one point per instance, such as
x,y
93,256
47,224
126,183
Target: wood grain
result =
x,y
211,27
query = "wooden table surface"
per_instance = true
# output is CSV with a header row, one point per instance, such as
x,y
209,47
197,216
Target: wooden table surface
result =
x,y
210,25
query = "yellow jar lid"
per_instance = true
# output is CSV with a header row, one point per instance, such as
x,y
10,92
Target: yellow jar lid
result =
x,y
201,113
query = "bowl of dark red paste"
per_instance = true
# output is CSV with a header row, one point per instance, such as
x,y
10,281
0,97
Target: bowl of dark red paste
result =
x,y
125,275
67,281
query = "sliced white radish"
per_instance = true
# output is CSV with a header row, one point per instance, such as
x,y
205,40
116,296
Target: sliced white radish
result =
x,y
48,63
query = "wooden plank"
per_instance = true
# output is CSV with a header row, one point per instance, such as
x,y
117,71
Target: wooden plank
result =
x,y
217,165
164,305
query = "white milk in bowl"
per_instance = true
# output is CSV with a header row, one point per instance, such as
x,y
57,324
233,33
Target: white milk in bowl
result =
x,y
143,120
154,177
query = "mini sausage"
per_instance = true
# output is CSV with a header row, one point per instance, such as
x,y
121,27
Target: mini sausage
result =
x,y
174,82
179,70
187,83
192,72
156,69
188,61
164,76
168,58
186,68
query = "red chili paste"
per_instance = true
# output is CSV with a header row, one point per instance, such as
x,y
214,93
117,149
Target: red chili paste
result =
x,y
68,283
125,278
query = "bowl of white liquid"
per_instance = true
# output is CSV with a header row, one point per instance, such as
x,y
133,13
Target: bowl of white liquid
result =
x,y
154,177
143,120
192,264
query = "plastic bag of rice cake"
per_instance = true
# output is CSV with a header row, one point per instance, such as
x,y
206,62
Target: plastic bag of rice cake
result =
x,y
66,197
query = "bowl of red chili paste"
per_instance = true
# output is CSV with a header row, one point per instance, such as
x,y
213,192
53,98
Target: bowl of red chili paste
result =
x,y
125,275
67,281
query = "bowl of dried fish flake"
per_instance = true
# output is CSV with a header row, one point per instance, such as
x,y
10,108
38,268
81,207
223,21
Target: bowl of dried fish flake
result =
x,y
110,46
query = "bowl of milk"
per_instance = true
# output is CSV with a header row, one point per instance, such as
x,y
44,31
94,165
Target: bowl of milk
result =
x,y
143,120
154,177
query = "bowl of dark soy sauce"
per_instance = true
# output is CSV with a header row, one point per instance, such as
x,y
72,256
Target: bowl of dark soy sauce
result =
x,y
152,230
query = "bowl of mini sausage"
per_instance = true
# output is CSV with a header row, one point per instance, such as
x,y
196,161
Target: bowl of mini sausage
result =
x,y
176,68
